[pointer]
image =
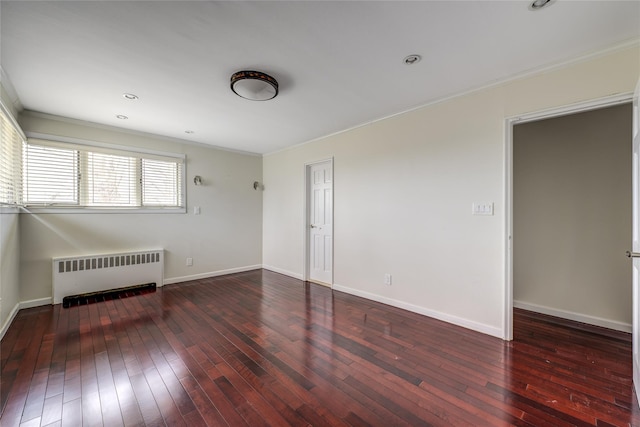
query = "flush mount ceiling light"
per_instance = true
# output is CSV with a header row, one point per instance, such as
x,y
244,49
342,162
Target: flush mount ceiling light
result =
x,y
121,117
254,85
412,59
130,96
539,4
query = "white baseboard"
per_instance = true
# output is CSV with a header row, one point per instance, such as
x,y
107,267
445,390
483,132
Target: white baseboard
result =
x,y
459,321
9,320
172,280
578,317
285,272
35,303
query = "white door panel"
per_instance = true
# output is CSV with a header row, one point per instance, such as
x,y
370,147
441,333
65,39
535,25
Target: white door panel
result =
x,y
321,223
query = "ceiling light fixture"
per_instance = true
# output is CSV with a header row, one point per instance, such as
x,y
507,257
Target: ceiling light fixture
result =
x,y
254,85
539,4
130,96
121,117
189,131
412,59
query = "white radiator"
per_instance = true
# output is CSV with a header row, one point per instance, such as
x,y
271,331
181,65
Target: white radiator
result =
x,y
93,273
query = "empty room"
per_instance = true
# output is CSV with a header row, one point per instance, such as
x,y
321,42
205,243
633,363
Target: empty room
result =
x,y
319,213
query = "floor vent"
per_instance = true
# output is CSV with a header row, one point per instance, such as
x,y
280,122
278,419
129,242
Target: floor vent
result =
x,y
93,297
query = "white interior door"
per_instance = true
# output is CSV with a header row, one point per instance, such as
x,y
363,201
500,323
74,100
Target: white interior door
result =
x,y
320,211
636,242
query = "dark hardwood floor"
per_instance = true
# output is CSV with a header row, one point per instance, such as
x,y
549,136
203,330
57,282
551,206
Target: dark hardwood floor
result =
x,y
259,348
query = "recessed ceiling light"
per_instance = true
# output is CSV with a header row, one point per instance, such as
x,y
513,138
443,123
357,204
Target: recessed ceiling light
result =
x,y
121,117
189,131
412,59
539,4
129,96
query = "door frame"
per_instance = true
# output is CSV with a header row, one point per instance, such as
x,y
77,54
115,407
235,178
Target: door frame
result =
x,y
307,206
635,323
509,123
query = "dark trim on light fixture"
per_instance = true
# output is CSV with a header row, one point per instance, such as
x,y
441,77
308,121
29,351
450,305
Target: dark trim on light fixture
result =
x,y
130,96
121,117
539,4
412,59
254,85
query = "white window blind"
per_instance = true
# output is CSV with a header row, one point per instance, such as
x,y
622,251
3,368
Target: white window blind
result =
x,y
10,162
111,180
50,175
158,179
64,174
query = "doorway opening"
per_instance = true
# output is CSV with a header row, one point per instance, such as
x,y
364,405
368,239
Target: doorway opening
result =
x,y
555,230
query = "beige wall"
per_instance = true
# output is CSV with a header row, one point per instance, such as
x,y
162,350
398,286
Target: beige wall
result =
x,y
404,187
226,236
572,214
9,265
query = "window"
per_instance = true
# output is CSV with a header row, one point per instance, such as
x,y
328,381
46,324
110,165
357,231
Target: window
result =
x,y
111,180
72,175
10,161
158,179
50,175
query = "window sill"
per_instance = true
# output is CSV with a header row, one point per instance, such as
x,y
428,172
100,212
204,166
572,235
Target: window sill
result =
x,y
99,210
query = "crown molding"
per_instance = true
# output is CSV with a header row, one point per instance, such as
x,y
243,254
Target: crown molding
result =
x,y
6,84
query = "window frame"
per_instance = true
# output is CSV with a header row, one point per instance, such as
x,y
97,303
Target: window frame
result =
x,y
121,150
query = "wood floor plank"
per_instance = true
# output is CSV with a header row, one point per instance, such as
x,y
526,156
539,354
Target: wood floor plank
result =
x,y
146,402
72,413
52,411
262,349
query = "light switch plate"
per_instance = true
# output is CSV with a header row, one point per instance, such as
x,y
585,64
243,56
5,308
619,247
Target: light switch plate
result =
x,y
482,208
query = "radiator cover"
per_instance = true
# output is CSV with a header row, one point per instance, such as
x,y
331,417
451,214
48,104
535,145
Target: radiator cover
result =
x,y
92,273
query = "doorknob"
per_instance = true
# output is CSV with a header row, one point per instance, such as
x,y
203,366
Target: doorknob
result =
x,y
633,254
313,226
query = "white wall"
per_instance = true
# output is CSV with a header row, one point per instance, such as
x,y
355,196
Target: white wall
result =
x,y
404,188
572,216
226,236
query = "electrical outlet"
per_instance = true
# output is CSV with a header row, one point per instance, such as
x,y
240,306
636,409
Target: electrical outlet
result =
x,y
387,279
189,262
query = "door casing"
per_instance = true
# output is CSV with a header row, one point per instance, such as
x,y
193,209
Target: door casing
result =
x,y
635,349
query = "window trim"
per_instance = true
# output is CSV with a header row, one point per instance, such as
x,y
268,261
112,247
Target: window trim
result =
x,y
101,147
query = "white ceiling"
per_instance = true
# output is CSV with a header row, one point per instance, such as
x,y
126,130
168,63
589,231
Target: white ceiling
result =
x,y
339,63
